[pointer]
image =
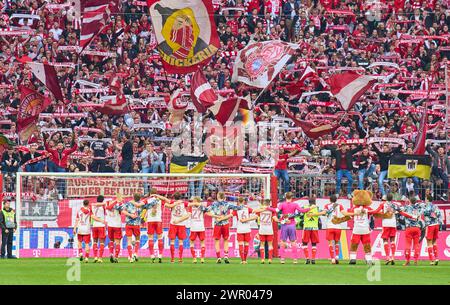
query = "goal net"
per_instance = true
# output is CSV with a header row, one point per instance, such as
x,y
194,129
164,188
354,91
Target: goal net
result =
x,y
47,203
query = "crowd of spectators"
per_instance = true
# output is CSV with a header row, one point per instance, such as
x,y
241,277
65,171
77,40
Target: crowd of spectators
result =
x,y
329,38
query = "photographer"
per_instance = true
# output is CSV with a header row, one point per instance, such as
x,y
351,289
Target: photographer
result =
x,y
8,225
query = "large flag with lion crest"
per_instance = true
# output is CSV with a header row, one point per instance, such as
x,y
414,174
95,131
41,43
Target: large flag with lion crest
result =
x,y
260,62
186,33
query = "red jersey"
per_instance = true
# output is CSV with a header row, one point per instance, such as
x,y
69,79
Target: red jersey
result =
x,y
282,162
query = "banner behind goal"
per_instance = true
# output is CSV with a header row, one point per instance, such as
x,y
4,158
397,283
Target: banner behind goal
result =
x,y
46,203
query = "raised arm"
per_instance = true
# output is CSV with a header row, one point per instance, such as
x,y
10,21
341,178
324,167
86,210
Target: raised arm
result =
x,y
358,148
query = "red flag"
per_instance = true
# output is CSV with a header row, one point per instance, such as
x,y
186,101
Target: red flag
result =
x,y
225,110
348,87
116,106
47,75
422,134
311,129
31,105
202,94
94,16
296,88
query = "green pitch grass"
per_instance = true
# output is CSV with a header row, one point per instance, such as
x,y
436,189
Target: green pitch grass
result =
x,y
53,271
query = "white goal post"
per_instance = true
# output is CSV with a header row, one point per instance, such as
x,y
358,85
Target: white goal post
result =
x,y
46,202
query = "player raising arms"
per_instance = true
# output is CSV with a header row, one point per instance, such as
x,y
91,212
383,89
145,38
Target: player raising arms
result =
x,y
177,226
243,229
412,212
98,229
220,211
311,230
114,220
333,235
82,227
266,218
433,219
132,226
197,210
288,209
153,205
389,228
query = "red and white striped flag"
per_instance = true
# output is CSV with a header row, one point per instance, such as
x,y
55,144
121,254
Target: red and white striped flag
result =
x,y
94,16
47,75
295,89
348,87
118,105
225,109
202,94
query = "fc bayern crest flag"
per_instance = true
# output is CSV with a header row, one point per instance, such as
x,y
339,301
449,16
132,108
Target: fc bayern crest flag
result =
x,y
259,62
31,105
186,33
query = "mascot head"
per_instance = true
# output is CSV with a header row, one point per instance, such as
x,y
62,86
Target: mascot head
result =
x,y
362,198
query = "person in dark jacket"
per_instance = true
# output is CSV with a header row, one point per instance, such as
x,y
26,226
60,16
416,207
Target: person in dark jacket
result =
x,y
127,154
441,166
383,160
365,168
344,165
8,225
32,154
10,161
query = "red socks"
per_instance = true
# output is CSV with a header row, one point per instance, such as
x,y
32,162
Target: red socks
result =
x,y
111,248
313,252
416,251
180,251
102,248
172,251
136,247
80,251
117,250
151,246
305,251
95,249
393,247
193,252
430,253
203,250
130,251
245,252
270,253
263,254
160,246
408,255
331,249
241,252
436,252
386,250
218,254
336,250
